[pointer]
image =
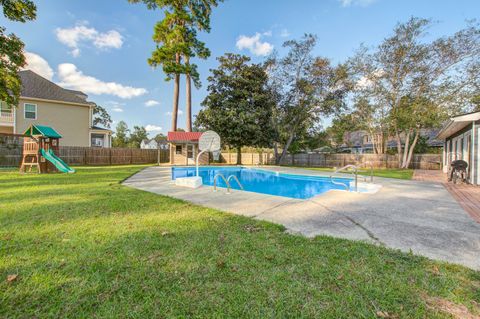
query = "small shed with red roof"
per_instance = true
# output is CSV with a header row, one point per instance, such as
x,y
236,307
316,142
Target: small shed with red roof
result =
x,y
184,148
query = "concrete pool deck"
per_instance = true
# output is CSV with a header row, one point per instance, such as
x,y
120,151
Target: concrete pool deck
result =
x,y
416,216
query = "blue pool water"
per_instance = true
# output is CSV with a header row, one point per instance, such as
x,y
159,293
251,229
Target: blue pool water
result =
x,y
265,182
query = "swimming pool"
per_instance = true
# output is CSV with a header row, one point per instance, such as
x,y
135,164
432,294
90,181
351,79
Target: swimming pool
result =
x,y
263,181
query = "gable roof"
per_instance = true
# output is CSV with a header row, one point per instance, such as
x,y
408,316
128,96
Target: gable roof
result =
x,y
183,136
42,130
35,86
457,123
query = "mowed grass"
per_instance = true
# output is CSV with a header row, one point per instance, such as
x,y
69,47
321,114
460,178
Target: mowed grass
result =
x,y
387,172
84,246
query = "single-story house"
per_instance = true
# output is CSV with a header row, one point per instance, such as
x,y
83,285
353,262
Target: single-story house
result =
x,y
43,102
359,142
461,142
153,144
184,148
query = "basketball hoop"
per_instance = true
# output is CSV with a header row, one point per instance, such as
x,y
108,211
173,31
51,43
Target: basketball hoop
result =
x,y
209,141
216,155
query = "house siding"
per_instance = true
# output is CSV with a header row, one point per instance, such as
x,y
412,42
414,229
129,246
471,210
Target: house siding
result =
x,y
71,121
181,159
474,160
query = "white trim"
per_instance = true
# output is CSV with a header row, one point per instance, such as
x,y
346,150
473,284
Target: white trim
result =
x,y
472,165
25,111
54,101
14,120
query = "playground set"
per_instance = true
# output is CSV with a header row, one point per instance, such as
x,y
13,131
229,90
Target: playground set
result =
x,y
39,146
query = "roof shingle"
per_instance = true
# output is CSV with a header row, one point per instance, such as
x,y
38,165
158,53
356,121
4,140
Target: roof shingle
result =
x,y
35,86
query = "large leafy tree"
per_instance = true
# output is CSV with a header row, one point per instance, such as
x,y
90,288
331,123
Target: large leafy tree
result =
x,y
239,104
417,83
11,49
176,39
138,135
121,135
101,116
306,87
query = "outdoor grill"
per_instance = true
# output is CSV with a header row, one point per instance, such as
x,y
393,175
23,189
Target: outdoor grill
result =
x,y
458,169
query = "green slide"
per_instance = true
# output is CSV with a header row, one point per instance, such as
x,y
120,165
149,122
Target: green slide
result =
x,y
55,160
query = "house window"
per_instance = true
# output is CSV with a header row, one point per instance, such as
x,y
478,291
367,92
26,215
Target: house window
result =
x,y
97,140
30,111
178,149
189,151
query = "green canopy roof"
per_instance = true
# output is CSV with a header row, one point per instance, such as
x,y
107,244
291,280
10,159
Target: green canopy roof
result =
x,y
42,130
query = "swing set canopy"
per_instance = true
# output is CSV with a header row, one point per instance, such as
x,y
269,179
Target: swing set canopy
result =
x,y
41,130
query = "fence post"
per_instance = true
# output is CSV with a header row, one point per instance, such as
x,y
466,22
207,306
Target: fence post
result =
x,y
85,157
110,156
158,156
131,156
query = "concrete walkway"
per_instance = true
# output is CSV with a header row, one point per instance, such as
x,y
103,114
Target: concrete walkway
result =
x,y
416,216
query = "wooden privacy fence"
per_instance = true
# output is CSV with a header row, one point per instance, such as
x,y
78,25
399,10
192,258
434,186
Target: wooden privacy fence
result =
x,y
74,155
248,158
419,161
11,147
11,154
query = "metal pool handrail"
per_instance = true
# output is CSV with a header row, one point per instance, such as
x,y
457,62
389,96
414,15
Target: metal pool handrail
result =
x,y
224,179
235,178
355,172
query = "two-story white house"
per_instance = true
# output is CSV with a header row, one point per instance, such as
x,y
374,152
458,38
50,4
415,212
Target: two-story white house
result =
x,y
45,103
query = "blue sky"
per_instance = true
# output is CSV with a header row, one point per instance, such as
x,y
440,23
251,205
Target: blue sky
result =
x,y
101,47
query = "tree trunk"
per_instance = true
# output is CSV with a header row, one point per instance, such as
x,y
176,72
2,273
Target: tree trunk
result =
x,y
176,94
399,149
239,155
188,92
285,149
406,148
275,153
410,151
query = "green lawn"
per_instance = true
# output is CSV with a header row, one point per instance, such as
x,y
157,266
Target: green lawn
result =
x,y
84,246
387,172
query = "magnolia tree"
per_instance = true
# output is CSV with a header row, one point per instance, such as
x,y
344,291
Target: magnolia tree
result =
x,y
407,83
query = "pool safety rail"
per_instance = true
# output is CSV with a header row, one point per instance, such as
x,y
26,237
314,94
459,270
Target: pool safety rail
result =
x,y
354,171
227,182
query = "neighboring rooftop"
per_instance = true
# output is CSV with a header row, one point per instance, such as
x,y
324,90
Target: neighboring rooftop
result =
x,y
183,136
35,86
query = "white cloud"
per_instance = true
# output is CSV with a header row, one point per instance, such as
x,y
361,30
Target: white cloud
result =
x,y
38,65
254,44
284,33
180,112
152,128
361,3
117,109
72,78
267,33
151,103
81,32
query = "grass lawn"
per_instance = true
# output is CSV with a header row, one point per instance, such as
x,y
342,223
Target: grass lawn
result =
x,y
82,245
386,172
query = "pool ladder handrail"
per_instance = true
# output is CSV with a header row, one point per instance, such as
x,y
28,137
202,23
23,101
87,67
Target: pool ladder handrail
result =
x,y
346,167
236,179
224,179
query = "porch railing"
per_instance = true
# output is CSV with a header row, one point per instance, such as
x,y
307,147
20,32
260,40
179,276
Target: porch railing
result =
x,y
6,117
